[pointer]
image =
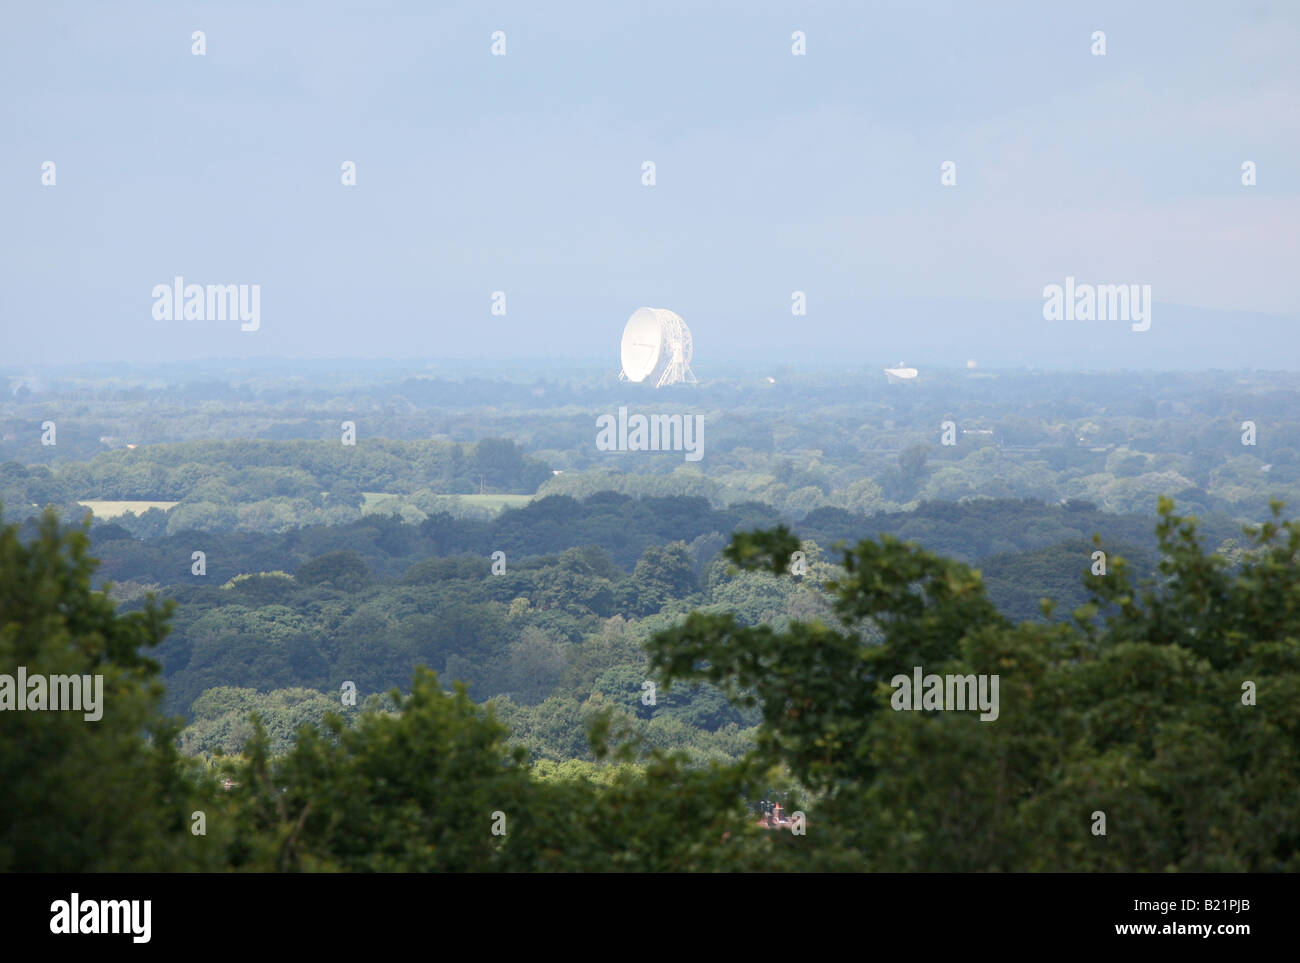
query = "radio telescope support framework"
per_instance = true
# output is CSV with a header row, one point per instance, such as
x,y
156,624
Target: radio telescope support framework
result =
x,y
657,345
682,348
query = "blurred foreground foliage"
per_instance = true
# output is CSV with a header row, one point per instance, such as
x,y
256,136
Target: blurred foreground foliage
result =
x,y
1138,708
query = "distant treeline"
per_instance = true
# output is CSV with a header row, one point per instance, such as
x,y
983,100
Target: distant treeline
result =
x,y
252,470
1215,442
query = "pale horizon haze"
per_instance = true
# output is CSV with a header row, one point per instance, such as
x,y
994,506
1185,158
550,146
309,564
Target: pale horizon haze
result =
x,y
774,173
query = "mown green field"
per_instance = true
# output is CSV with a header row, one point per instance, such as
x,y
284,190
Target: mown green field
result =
x,y
105,508
108,508
494,502
497,502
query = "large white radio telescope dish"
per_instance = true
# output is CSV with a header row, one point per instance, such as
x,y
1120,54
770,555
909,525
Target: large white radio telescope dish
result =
x,y
657,345
643,343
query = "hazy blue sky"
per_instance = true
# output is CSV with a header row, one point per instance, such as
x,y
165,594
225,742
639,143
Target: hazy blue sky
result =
x,y
775,173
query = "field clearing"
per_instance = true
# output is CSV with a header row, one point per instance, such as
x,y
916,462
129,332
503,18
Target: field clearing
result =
x,y
494,502
105,508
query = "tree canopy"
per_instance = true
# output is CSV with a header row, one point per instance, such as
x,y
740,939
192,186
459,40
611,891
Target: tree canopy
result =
x,y
1154,729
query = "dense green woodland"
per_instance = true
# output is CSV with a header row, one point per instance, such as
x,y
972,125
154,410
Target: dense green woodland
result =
x,y
559,633
555,638
1173,708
